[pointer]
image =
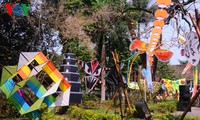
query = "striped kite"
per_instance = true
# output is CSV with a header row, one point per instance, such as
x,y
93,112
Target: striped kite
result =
x,y
24,89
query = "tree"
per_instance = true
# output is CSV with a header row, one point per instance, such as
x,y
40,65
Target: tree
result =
x,y
164,71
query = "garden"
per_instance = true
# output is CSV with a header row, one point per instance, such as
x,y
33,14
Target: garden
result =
x,y
99,59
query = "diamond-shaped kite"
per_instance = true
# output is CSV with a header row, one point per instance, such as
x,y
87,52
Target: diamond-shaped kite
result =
x,y
26,92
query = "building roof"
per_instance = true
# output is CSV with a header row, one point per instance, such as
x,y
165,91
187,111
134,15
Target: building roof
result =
x,y
179,69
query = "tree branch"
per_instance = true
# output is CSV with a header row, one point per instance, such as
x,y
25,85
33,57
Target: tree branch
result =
x,y
188,2
138,9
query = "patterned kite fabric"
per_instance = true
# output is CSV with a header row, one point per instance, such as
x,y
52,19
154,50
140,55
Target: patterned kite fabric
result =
x,y
92,70
90,83
161,54
173,85
113,78
26,92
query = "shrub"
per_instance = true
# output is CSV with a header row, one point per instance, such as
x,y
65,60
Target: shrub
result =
x,y
173,117
74,112
48,113
90,97
90,105
192,118
161,110
163,107
7,110
78,113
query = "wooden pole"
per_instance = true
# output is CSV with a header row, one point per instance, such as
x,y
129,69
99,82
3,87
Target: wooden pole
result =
x,y
120,102
112,100
127,100
195,25
121,84
116,60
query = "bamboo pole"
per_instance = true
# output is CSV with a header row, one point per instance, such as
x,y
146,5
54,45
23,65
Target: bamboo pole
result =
x,y
195,25
112,100
116,62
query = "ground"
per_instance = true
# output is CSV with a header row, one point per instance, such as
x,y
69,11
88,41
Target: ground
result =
x,y
195,111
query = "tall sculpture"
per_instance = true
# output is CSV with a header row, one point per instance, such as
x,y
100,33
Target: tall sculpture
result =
x,y
69,70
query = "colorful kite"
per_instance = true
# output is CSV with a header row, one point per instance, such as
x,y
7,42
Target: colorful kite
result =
x,y
173,86
26,92
93,70
161,54
152,48
132,85
195,81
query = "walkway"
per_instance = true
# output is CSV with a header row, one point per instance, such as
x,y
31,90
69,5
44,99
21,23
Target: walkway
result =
x,y
195,111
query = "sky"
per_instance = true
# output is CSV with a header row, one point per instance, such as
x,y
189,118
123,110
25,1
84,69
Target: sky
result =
x,y
167,34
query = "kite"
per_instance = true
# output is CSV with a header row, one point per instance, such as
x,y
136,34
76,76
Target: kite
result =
x,y
173,85
153,48
192,48
161,54
192,53
113,78
116,75
132,85
93,70
24,89
195,81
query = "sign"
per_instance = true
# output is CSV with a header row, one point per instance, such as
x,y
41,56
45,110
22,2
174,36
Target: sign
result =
x,y
17,9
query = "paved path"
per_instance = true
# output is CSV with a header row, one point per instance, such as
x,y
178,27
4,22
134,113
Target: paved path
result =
x,y
195,111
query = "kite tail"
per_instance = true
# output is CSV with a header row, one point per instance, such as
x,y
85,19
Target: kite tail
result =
x,y
149,77
195,82
187,67
130,68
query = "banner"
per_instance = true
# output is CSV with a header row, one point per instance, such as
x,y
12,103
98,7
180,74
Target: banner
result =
x,y
173,85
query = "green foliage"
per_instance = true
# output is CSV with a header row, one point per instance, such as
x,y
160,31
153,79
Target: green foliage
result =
x,y
162,110
74,112
7,110
79,50
48,113
165,71
89,104
173,117
192,118
163,107
73,4
78,113
90,97
100,3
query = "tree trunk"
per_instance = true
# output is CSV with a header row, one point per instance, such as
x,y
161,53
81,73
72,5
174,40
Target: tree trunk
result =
x,y
154,67
103,73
